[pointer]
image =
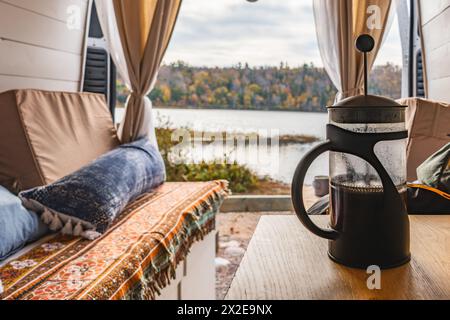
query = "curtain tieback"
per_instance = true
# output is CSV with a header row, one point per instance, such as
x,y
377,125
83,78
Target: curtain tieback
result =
x,y
137,94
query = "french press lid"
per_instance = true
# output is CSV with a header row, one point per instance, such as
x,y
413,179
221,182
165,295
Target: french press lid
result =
x,y
367,108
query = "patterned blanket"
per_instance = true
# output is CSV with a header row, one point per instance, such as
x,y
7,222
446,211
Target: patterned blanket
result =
x,y
134,259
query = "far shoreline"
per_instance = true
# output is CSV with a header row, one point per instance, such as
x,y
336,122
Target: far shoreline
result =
x,y
230,109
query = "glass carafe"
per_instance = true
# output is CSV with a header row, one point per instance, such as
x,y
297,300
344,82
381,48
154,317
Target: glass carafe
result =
x,y
369,223
355,185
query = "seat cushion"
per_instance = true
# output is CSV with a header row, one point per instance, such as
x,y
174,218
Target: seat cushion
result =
x,y
45,136
428,125
90,198
134,258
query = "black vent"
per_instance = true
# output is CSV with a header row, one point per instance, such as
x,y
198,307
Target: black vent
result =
x,y
96,72
96,75
420,85
112,87
100,71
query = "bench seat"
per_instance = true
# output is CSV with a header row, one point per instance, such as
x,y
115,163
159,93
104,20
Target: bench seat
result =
x,y
134,259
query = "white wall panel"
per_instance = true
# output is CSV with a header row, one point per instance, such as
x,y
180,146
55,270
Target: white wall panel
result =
x,y
38,49
436,39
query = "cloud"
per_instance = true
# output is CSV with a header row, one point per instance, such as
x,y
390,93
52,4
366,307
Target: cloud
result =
x,y
225,32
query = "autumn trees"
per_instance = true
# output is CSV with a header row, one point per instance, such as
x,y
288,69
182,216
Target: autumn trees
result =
x,y
304,88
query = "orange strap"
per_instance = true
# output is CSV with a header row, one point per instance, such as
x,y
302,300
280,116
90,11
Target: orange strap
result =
x,y
437,191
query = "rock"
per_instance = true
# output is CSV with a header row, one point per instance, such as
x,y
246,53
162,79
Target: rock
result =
x,y
232,243
221,262
234,251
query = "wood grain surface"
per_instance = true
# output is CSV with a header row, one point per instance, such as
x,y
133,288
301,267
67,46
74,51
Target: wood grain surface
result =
x,y
285,261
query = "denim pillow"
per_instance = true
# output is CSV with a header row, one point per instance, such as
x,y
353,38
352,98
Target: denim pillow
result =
x,y
18,226
86,202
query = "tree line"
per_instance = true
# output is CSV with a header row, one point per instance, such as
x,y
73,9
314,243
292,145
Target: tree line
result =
x,y
302,88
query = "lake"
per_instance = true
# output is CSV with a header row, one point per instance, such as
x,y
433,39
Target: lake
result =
x,y
279,165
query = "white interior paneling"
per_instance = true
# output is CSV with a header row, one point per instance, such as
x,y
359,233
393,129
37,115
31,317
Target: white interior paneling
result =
x,y
39,62
38,48
57,10
435,57
28,27
439,90
436,41
17,82
432,8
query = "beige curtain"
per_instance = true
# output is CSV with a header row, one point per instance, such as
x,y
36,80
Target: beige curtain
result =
x,y
138,35
338,24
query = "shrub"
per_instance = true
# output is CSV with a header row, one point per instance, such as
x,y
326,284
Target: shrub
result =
x,y
241,179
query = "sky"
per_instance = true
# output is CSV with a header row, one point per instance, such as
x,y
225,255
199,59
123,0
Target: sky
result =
x,y
264,33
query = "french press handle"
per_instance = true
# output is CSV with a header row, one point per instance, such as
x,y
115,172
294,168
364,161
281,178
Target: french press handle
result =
x,y
340,140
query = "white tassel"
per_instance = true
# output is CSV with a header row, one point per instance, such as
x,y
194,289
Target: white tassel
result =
x,y
68,228
91,235
47,217
78,230
56,223
1,287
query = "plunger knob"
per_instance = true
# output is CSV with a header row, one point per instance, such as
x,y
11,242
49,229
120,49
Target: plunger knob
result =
x,y
365,43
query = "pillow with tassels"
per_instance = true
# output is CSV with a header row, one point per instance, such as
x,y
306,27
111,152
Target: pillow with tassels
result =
x,y
86,202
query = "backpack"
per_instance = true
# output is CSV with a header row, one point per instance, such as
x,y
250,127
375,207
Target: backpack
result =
x,y
432,195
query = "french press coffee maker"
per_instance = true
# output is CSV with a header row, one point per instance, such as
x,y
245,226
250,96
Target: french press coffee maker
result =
x,y
366,138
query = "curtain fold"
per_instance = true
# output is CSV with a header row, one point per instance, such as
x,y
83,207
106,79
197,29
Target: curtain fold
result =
x,y
403,18
338,24
138,33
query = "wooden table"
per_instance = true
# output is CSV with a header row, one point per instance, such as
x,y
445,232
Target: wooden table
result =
x,y
285,261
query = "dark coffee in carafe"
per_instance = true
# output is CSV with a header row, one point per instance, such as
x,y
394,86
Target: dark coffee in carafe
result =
x,y
352,205
358,214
